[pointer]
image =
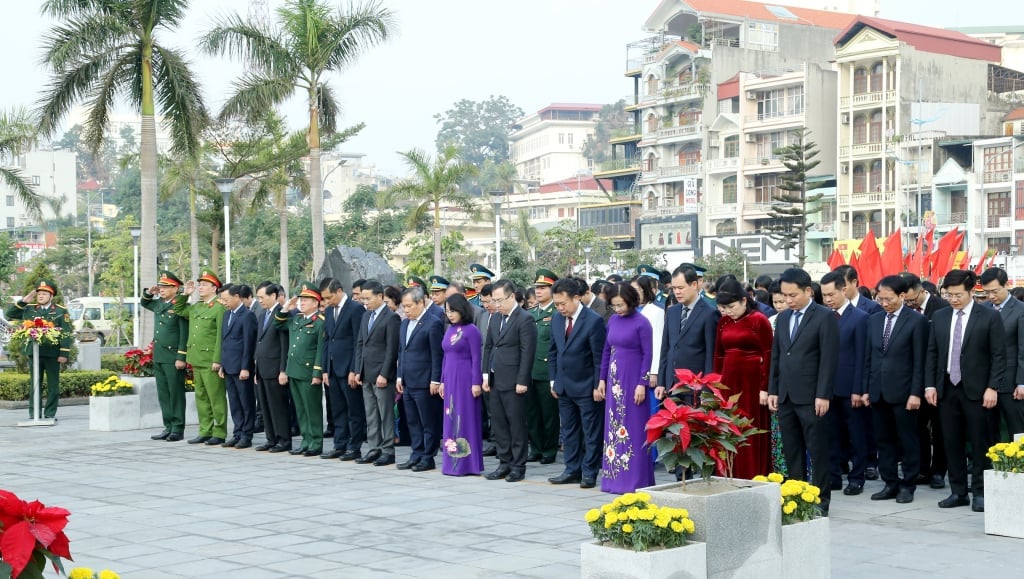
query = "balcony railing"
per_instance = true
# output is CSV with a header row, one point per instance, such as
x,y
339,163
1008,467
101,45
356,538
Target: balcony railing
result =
x,y
999,222
998,176
679,170
612,230
726,164
757,207
725,209
618,165
875,198
779,117
862,149
683,131
768,163
869,98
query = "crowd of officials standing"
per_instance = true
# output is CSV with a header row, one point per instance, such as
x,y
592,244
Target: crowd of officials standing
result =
x,y
905,381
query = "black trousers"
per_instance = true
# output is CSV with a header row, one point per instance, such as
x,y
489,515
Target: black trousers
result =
x,y
965,421
582,430
896,433
275,400
803,433
929,433
242,404
347,415
846,423
508,424
423,412
1011,413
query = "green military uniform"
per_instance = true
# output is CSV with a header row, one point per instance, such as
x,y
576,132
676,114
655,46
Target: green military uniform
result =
x,y
305,350
170,339
541,407
204,334
49,367
477,272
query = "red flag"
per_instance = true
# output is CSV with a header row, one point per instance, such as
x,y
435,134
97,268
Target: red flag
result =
x,y
962,261
981,263
943,255
915,265
892,256
992,260
955,244
855,261
835,260
870,270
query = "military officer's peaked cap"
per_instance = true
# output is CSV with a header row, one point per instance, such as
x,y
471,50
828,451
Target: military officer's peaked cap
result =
x,y
169,279
413,281
309,290
438,283
700,270
47,286
477,271
648,270
545,277
207,275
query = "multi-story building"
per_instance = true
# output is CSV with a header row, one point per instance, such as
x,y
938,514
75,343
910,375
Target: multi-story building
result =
x,y
547,146
342,174
52,175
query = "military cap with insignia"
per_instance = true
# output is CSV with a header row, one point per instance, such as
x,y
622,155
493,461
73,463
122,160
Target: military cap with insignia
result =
x,y
470,293
438,283
648,270
47,286
700,270
413,281
477,271
208,276
168,279
310,290
545,277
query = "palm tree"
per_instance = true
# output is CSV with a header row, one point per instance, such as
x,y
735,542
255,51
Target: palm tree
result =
x,y
17,134
308,42
103,50
435,182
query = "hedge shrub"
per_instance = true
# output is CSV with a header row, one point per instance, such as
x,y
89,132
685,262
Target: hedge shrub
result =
x,y
14,386
112,362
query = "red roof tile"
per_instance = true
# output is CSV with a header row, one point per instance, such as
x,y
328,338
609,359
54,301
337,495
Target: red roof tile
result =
x,y
1014,115
569,184
760,11
925,38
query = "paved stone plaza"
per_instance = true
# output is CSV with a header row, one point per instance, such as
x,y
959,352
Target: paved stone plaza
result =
x,y
155,509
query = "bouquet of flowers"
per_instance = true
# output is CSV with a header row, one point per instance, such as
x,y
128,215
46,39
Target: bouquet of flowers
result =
x,y
799,501
1007,457
39,330
139,362
632,521
112,386
30,535
704,438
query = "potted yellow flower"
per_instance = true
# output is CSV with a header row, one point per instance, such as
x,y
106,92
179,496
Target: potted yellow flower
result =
x,y
114,405
637,538
1004,490
87,573
805,533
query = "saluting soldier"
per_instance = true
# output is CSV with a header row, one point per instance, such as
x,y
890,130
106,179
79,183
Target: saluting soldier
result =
x,y
305,351
39,304
541,406
481,276
170,339
205,319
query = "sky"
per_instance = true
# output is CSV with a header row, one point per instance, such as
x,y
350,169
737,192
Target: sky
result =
x,y
534,51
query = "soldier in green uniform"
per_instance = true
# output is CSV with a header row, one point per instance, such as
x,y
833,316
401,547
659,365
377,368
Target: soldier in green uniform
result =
x,y
481,276
205,318
170,337
39,304
305,350
653,272
541,406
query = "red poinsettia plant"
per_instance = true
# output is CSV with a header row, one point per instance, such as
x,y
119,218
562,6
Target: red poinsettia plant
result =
x,y
703,437
139,362
30,534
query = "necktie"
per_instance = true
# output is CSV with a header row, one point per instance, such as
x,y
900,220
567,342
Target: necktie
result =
x,y
838,315
796,325
887,332
682,318
958,338
231,317
568,329
336,308
918,309
501,328
373,317
266,320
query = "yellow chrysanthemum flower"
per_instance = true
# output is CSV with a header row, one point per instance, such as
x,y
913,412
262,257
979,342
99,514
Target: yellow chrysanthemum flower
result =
x,y
80,573
611,518
760,478
592,515
775,477
1010,452
628,499
643,497
607,508
789,507
678,527
108,574
627,528
807,497
688,524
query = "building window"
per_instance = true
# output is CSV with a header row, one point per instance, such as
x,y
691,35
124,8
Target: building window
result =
x,y
732,147
876,223
561,212
828,213
997,164
726,228
729,190
561,138
998,207
568,138
35,180
875,135
652,123
999,244
690,156
875,176
765,188
762,36
795,100
860,180
10,223
860,228
651,163
860,130
10,200
771,103
768,143
1020,200
652,201
876,77
860,81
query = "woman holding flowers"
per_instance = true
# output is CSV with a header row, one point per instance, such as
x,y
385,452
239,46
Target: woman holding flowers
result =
x,y
461,378
743,351
627,465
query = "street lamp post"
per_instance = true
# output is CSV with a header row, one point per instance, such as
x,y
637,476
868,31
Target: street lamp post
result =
x,y
496,203
586,251
226,186
136,231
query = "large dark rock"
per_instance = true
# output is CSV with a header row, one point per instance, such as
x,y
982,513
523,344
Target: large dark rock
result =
x,y
347,264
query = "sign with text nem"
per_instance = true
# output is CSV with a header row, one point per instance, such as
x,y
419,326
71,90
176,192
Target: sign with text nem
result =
x,y
756,248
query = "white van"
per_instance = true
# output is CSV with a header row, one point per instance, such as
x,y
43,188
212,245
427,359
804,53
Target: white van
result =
x,y
100,313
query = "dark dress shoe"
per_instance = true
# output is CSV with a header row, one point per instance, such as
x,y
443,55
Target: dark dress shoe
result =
x,y
871,473
175,437
161,436
490,450
937,481
905,496
423,466
955,501
336,453
244,443
588,482
533,458
564,479
547,460
853,488
515,476
230,442
500,473
408,464
215,441
384,460
889,492
264,447
978,504
923,479
351,455
313,452
281,447
369,458
198,440
297,451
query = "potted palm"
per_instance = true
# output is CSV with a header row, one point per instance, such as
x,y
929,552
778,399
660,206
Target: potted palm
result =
x,y
1004,490
739,519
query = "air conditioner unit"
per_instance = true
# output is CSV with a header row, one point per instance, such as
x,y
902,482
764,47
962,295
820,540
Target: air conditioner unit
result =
x,y
844,216
845,118
751,138
846,169
750,183
751,95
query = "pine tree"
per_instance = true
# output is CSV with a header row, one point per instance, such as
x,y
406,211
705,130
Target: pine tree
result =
x,y
790,208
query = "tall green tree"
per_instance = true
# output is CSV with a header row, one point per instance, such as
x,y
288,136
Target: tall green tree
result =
x,y
308,41
793,204
435,184
104,50
480,130
18,129
195,176
374,221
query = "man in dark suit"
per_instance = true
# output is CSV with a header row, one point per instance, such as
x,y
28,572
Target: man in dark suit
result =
x,y
852,290
574,361
804,361
689,335
965,366
375,366
347,415
846,413
894,386
419,378
508,369
592,299
929,425
238,346
482,319
270,360
1011,310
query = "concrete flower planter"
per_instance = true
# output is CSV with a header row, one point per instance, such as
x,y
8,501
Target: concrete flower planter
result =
x,y
739,520
110,413
603,562
1004,504
145,386
805,550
